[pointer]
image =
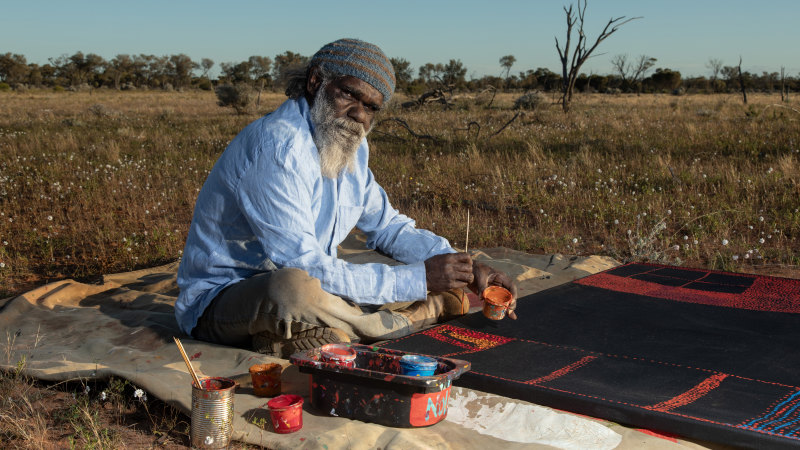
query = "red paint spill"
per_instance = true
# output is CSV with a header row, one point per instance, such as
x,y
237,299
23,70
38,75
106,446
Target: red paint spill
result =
x,y
660,435
195,356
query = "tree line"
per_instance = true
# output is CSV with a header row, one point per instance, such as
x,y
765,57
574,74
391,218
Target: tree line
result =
x,y
636,75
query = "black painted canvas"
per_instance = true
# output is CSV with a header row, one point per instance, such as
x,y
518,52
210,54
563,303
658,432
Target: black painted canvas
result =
x,y
703,354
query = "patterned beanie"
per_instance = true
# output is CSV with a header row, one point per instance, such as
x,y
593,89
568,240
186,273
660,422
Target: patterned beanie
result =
x,y
359,59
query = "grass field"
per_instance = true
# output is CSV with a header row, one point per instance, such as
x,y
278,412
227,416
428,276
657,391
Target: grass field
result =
x,y
102,182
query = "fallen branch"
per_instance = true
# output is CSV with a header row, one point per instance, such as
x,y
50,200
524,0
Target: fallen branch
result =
x,y
507,124
408,128
469,128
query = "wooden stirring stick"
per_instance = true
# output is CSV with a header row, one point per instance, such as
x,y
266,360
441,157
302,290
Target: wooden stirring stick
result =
x,y
466,250
466,241
188,364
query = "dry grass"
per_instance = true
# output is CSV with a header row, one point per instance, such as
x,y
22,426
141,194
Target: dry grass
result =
x,y
101,182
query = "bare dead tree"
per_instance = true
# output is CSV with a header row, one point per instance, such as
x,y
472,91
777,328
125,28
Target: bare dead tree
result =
x,y
633,72
741,82
572,60
715,65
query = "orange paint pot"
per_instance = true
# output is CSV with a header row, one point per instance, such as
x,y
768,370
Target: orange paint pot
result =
x,y
286,412
496,300
266,379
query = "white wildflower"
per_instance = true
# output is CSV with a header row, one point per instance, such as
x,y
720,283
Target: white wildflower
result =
x,y
724,242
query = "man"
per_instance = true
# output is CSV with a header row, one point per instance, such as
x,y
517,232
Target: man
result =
x,y
259,268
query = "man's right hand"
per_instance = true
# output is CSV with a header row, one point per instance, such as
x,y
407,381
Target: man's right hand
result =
x,y
448,271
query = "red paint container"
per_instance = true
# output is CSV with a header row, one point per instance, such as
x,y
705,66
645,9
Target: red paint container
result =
x,y
496,300
286,412
339,354
266,379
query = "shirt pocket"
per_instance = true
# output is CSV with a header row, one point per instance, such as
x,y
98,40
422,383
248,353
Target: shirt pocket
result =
x,y
346,219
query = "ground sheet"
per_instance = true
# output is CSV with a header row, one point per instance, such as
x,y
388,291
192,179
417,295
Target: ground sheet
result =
x,y
704,354
123,327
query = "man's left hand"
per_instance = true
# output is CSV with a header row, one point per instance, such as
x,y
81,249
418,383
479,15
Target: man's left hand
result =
x,y
485,276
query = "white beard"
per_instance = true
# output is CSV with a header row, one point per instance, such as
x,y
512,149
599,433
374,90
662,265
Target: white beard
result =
x,y
337,139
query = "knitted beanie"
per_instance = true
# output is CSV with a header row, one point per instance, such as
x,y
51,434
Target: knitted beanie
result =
x,y
359,59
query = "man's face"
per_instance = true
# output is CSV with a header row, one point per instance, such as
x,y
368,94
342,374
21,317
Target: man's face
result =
x,y
354,99
342,111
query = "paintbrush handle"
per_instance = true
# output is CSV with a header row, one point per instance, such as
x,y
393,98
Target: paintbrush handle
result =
x,y
188,364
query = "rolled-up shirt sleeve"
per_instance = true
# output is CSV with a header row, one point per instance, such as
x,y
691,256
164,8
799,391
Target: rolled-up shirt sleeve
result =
x,y
393,233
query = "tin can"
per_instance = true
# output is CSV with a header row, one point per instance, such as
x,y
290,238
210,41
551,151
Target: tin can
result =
x,y
212,412
496,300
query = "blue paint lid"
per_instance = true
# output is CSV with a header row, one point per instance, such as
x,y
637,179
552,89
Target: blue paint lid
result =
x,y
419,361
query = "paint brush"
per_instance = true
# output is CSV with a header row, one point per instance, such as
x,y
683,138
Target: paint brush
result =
x,y
188,364
466,241
466,250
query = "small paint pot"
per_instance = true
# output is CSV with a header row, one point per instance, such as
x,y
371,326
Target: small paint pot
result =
x,y
286,412
339,354
496,300
266,379
418,366
212,412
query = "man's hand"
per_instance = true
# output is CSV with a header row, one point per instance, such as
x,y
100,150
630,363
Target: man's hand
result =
x,y
448,271
485,276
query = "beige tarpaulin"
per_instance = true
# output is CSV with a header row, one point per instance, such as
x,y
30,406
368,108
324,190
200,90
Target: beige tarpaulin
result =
x,y
124,328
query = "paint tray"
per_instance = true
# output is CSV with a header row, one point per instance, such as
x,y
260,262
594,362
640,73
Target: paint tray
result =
x,y
375,391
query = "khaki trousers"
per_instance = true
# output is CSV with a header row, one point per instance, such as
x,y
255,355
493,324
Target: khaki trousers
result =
x,y
287,301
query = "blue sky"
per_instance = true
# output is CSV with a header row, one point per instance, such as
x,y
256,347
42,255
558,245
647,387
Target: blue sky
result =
x,y
681,34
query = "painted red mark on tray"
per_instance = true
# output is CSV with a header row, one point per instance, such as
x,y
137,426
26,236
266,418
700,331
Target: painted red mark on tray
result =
x,y
428,409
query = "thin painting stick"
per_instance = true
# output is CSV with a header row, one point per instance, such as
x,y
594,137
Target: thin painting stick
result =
x,y
466,250
188,364
466,242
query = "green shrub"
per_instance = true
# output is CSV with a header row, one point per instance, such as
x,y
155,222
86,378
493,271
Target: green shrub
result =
x,y
205,84
4,86
237,97
529,101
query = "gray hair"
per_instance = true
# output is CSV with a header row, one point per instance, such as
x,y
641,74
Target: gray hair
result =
x,y
297,78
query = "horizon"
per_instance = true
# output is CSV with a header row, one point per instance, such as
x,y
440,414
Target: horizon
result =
x,y
682,36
